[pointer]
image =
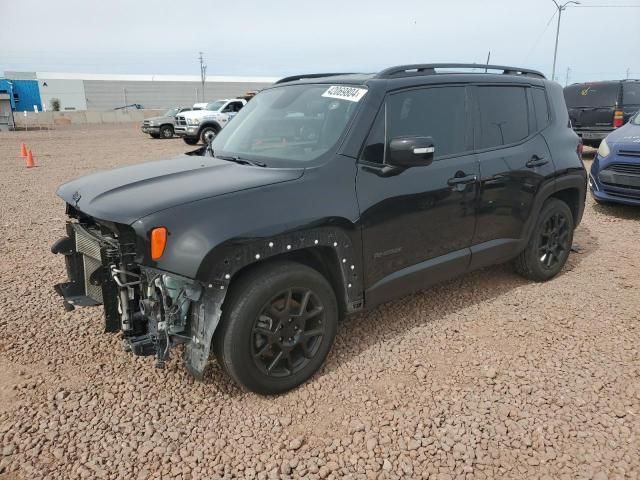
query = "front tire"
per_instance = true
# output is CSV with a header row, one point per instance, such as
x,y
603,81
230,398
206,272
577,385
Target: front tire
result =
x,y
278,325
549,244
190,141
208,132
166,131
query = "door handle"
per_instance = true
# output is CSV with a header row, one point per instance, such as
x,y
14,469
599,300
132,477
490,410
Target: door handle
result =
x,y
462,180
536,161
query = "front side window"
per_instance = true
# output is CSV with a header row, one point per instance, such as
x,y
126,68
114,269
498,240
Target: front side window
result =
x,y
437,112
214,106
503,116
291,123
373,151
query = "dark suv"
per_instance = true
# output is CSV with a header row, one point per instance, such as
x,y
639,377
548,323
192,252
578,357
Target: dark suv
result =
x,y
598,108
327,195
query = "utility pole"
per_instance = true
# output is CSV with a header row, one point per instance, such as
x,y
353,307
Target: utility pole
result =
x,y
488,58
628,72
560,8
566,78
203,75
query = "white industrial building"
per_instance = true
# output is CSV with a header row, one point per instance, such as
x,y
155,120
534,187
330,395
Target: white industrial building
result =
x,y
100,92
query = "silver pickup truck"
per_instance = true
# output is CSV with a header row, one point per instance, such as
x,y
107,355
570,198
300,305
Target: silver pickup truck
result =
x,y
163,126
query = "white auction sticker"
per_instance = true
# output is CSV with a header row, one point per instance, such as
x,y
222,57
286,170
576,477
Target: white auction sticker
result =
x,y
353,94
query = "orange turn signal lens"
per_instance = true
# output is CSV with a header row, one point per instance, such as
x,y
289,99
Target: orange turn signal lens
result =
x,y
158,242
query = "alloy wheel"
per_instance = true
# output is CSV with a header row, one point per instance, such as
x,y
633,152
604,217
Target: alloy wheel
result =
x,y
288,332
554,240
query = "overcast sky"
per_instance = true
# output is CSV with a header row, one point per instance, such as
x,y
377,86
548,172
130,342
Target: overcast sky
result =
x,y
280,37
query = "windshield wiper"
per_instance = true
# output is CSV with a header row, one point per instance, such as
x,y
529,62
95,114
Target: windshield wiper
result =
x,y
241,161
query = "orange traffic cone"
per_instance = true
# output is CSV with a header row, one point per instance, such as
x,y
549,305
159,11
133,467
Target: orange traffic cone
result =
x,y
30,162
23,150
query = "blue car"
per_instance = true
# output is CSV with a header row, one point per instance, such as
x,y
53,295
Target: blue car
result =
x,y
615,172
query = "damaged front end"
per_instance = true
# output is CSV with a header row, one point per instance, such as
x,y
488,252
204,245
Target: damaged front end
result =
x,y
154,310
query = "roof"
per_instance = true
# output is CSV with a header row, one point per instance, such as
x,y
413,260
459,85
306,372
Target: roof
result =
x,y
429,70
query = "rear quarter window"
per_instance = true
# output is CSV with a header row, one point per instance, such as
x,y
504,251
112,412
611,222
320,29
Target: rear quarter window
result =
x,y
540,107
592,95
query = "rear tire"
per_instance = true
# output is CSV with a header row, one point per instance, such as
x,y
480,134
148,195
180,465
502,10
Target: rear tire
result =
x,y
549,244
166,131
190,140
277,327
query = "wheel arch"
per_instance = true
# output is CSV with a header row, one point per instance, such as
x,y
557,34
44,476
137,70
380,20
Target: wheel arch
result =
x,y
570,196
571,188
332,251
209,123
323,260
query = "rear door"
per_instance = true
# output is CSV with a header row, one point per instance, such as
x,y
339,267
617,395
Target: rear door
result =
x,y
514,162
592,105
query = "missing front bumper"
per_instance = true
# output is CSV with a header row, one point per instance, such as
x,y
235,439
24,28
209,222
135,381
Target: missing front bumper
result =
x,y
87,263
154,310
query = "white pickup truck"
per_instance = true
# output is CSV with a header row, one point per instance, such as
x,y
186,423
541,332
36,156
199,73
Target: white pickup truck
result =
x,y
196,126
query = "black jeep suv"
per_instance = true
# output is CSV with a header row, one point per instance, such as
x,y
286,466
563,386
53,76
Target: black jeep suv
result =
x,y
327,195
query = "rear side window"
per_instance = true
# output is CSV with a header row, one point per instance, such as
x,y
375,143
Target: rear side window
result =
x,y
592,95
438,112
503,116
631,93
540,108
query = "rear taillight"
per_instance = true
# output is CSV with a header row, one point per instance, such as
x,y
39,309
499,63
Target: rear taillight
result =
x,y
618,118
579,150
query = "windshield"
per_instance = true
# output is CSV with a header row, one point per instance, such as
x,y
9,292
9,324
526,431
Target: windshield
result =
x,y
297,122
592,95
171,112
215,106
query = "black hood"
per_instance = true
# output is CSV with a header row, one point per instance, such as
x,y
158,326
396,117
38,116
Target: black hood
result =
x,y
124,195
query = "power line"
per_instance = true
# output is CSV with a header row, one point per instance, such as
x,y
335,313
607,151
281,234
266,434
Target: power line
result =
x,y
540,37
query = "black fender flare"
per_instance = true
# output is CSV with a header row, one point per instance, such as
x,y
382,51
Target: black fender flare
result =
x,y
570,180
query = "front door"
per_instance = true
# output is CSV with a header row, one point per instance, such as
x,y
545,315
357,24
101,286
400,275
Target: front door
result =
x,y
418,224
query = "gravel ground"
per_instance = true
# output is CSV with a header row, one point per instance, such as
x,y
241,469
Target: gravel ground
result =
x,y
482,377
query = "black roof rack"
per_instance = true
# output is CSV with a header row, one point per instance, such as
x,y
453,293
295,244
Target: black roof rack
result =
x,y
430,69
293,78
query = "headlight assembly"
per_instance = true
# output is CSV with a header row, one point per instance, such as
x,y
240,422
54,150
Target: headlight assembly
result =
x,y
603,149
193,121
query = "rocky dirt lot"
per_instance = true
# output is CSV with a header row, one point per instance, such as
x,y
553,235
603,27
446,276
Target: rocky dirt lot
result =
x,y
487,376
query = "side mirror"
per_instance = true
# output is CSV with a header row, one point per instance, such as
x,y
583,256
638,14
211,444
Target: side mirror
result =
x,y
410,151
